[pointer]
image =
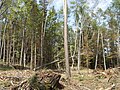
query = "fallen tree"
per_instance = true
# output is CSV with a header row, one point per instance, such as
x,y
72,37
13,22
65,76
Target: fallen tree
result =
x,y
37,68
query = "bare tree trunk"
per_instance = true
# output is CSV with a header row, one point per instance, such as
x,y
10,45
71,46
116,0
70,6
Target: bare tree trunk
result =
x,y
7,55
35,55
4,48
43,31
13,55
10,52
96,61
79,49
1,43
10,42
79,46
31,63
118,59
1,49
118,35
41,53
21,54
13,41
22,47
75,47
73,61
24,62
66,41
103,52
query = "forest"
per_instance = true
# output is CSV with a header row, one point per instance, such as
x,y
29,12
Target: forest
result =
x,y
59,44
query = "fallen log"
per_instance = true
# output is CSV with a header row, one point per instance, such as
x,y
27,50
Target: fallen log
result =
x,y
37,68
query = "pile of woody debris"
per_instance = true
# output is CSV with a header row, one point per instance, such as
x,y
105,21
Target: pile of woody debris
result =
x,y
29,80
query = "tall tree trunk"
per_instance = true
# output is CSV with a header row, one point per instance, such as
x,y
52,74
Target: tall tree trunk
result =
x,y
43,30
1,43
7,49
31,63
4,48
68,74
22,46
75,48
35,50
24,58
103,51
96,60
10,52
41,53
10,42
13,45
35,56
25,46
118,37
79,46
21,54
79,49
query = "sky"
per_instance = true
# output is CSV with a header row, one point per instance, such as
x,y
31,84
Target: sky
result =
x,y
103,4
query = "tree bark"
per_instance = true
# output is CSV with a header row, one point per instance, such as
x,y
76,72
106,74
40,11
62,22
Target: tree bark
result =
x,y
31,63
22,46
79,49
1,45
4,48
96,60
118,37
41,52
68,74
13,42
103,51
75,48
42,32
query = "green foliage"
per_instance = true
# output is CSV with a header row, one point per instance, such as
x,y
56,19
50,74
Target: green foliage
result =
x,y
34,84
31,17
37,84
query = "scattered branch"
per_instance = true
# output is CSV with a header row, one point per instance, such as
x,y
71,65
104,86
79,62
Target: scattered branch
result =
x,y
4,11
47,64
111,87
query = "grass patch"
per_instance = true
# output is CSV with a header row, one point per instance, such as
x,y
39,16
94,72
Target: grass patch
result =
x,y
83,77
5,67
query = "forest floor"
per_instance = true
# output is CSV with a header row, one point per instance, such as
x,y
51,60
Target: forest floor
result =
x,y
86,79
